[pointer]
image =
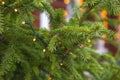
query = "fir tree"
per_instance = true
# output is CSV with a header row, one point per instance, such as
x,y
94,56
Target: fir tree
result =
x,y
63,53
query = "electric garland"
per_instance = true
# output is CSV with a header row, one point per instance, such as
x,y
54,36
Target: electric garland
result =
x,y
65,52
36,36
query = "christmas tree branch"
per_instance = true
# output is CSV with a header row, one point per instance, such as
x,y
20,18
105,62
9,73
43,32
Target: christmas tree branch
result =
x,y
85,13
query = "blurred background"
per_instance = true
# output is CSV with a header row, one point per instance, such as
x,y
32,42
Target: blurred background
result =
x,y
109,21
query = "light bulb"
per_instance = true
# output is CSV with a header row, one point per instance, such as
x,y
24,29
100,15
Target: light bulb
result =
x,y
89,41
3,2
34,39
16,10
23,22
44,50
61,64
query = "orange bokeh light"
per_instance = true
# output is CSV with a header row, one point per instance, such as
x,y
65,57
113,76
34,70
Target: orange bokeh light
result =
x,y
104,14
66,1
80,1
65,13
105,23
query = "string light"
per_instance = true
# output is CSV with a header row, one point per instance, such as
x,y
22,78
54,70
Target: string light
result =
x,y
16,10
61,64
29,24
88,40
44,50
3,2
23,22
34,39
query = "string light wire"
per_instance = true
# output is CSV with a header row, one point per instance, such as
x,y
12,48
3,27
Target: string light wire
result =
x,y
27,23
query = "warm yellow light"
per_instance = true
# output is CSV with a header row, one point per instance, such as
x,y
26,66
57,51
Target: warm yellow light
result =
x,y
66,1
61,64
23,22
16,10
89,41
34,39
44,50
3,2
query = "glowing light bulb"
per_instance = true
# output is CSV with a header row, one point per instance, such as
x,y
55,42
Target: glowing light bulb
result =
x,y
44,50
89,41
61,64
23,22
34,39
16,10
3,2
